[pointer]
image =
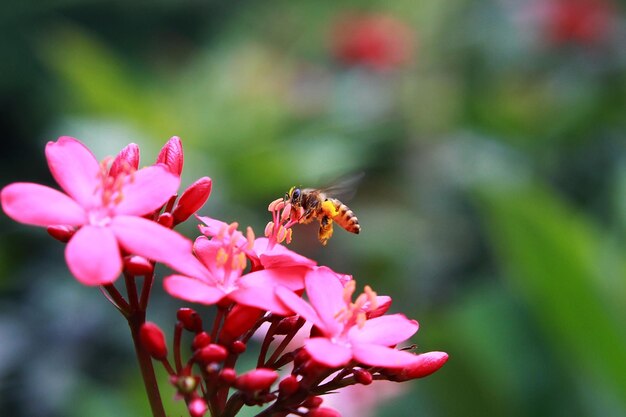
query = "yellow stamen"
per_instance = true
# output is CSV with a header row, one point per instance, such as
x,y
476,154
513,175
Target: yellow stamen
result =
x,y
221,258
361,318
371,295
348,290
250,237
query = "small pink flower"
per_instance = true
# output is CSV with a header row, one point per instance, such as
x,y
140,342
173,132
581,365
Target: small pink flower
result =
x,y
347,332
106,207
223,259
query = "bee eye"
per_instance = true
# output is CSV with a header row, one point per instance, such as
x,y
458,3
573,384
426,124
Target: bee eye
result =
x,y
296,194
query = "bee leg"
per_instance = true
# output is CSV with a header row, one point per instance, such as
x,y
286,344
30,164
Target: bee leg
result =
x,y
326,229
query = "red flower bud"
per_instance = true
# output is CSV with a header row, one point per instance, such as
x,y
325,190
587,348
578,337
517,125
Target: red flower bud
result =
x,y
197,407
192,199
211,353
239,320
237,347
256,380
228,376
288,325
166,220
190,320
362,376
201,340
138,265
126,161
312,402
288,386
61,233
323,412
171,155
424,365
152,338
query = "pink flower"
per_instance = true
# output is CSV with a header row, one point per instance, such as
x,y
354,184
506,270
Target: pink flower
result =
x,y
347,332
105,205
223,259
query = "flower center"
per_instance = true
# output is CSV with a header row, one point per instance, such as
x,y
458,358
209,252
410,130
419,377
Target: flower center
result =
x,y
110,191
355,313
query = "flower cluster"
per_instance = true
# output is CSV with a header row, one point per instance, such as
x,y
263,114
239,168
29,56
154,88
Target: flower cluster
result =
x,y
118,220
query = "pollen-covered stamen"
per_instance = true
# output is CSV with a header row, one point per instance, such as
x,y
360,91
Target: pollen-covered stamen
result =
x,y
111,186
372,297
249,238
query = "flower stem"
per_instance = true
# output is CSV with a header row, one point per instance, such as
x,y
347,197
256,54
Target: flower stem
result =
x,y
145,365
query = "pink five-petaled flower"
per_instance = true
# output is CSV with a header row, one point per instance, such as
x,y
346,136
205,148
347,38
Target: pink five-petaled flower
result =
x,y
105,205
347,333
223,259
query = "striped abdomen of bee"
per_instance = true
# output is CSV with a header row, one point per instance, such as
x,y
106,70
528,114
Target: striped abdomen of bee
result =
x,y
344,217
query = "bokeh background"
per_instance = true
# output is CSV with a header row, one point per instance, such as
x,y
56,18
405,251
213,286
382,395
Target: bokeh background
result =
x,y
492,136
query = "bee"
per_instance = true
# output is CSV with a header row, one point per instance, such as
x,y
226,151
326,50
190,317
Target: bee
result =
x,y
321,204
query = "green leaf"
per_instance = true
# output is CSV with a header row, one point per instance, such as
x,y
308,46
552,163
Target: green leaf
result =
x,y
569,274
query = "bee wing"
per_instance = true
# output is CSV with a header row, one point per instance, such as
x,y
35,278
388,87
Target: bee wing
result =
x,y
344,188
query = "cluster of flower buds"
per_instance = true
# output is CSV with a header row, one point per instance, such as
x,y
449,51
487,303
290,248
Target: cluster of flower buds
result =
x,y
314,334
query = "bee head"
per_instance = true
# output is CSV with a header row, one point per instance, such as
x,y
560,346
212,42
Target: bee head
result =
x,y
294,195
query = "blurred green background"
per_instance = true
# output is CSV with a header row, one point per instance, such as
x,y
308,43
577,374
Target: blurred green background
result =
x,y
492,136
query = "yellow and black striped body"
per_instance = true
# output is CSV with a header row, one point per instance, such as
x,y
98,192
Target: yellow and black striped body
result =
x,y
316,205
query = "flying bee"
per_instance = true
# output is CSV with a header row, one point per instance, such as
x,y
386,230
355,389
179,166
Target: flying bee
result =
x,y
321,204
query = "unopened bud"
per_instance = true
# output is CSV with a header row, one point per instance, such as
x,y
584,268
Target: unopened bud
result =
x,y
166,220
61,233
240,319
288,386
125,161
171,155
211,353
256,380
190,320
152,338
138,265
362,376
197,407
201,340
192,199
323,412
312,402
237,347
423,365
289,325
228,376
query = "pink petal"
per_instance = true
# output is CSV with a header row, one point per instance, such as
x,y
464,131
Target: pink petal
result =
x,y
290,277
147,190
376,355
279,255
384,330
328,353
127,158
260,297
325,293
192,289
40,205
211,227
299,306
75,169
93,256
146,238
